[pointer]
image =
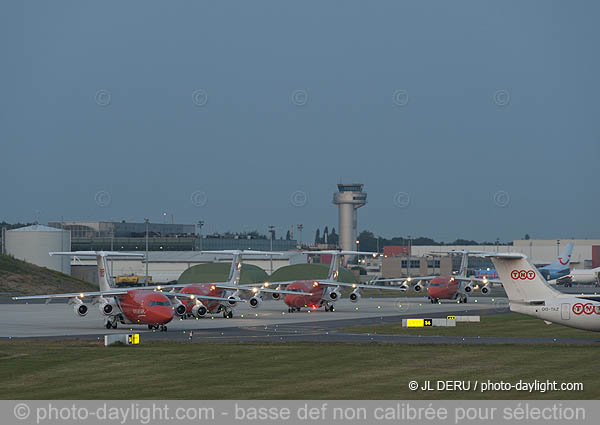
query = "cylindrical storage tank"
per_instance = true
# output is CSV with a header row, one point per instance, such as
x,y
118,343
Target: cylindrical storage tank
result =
x,y
33,243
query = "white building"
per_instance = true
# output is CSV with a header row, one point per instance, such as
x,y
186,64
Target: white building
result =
x,y
33,243
541,251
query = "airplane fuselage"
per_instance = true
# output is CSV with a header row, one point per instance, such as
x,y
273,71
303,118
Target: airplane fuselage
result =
x,y
576,312
300,301
585,276
205,289
443,288
145,307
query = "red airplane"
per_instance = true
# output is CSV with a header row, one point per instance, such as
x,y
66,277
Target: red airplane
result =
x,y
453,287
126,305
324,293
223,296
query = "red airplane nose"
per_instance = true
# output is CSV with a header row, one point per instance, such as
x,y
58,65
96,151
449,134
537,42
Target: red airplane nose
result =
x,y
160,316
434,292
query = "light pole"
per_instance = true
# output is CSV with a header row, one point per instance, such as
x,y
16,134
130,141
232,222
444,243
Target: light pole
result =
x,y
200,225
557,247
409,256
272,232
300,227
112,239
146,220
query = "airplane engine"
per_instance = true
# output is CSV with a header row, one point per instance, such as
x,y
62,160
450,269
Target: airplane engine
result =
x,y
354,296
107,307
255,301
334,294
232,300
179,307
79,307
418,287
485,289
276,295
199,310
468,288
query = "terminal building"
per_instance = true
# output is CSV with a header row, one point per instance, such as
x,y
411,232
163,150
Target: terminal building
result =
x,y
122,229
124,236
586,252
402,261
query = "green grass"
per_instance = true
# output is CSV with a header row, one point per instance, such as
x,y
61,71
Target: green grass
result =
x,y
17,276
156,370
497,325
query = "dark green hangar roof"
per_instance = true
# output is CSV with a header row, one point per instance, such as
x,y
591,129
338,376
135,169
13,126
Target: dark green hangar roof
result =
x,y
219,272
308,272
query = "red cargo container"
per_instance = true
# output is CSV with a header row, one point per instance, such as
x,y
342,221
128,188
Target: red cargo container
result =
x,y
326,258
595,256
396,250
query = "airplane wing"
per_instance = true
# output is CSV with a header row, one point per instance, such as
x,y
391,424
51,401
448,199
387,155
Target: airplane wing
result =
x,y
317,282
83,295
71,295
255,289
479,280
357,285
249,288
407,279
201,297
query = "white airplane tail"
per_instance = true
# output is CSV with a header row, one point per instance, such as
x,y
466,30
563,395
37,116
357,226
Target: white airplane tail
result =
x,y
464,264
236,262
104,280
522,282
334,268
236,270
336,255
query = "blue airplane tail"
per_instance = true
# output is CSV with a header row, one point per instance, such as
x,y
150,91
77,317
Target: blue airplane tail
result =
x,y
564,259
560,266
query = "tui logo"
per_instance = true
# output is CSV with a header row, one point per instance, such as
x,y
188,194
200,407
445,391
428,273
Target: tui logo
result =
x,y
560,260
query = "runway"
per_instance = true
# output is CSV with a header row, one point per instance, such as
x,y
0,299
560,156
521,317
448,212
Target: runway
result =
x,y
54,320
269,323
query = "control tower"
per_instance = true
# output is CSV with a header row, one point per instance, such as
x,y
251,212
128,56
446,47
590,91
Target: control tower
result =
x,y
349,198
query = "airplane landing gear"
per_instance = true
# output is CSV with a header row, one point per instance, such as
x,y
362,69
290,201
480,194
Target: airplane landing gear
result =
x,y
330,308
111,323
162,328
228,314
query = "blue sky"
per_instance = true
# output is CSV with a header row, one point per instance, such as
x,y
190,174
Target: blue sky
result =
x,y
482,115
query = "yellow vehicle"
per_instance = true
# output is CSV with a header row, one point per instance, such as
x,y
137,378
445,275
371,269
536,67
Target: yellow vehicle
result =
x,y
133,280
